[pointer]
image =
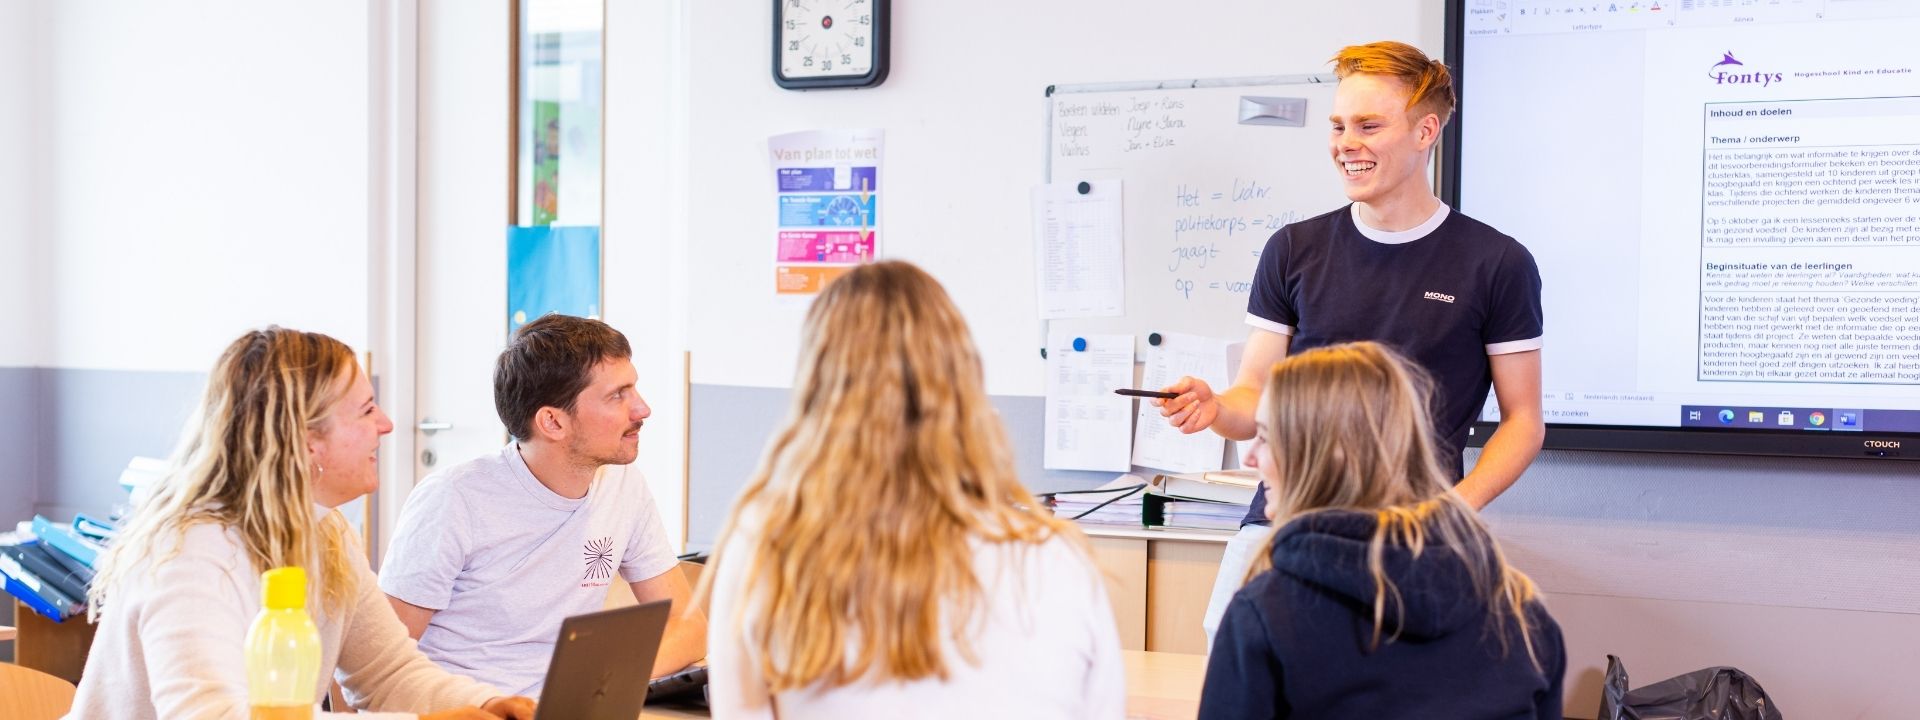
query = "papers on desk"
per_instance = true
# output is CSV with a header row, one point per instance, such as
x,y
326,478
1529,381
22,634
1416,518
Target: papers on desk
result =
x,y
1087,426
1202,515
1202,501
1235,486
1118,502
1157,444
1080,261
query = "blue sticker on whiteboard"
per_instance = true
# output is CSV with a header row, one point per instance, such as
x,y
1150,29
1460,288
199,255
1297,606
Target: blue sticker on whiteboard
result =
x,y
826,211
827,179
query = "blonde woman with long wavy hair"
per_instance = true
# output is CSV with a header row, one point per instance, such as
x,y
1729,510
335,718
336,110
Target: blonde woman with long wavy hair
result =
x,y
1382,595
884,560
287,430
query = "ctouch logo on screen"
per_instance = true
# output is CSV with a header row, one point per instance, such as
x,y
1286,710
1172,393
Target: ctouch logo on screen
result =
x,y
1730,71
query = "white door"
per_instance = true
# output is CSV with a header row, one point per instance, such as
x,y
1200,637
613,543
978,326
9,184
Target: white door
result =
x,y
461,205
464,187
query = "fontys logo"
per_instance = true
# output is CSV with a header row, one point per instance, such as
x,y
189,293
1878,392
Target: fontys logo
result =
x,y
1730,71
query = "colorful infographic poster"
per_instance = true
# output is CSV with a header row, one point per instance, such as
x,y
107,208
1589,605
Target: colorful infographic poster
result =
x,y
826,205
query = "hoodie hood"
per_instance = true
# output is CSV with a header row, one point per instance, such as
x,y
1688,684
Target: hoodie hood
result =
x,y
1328,549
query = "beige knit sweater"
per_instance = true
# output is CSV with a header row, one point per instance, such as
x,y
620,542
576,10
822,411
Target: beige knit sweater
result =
x,y
171,644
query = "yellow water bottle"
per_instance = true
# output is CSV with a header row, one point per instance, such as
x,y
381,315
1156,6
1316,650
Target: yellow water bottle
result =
x,y
283,649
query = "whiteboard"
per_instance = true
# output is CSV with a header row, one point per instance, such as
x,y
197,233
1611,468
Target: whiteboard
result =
x,y
1201,189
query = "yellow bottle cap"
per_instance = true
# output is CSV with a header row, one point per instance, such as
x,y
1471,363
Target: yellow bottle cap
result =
x,y
284,589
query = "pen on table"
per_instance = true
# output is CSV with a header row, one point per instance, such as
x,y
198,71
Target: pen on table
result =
x,y
1130,392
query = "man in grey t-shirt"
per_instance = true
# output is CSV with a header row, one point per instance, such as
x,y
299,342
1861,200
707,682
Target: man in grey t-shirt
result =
x,y
490,555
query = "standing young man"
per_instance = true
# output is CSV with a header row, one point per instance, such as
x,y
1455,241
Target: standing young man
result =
x,y
492,554
1396,266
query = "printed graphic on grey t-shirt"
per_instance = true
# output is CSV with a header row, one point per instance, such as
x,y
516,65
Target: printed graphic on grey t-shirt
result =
x,y
599,557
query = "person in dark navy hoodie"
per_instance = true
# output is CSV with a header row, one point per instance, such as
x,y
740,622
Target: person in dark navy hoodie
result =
x,y
1382,595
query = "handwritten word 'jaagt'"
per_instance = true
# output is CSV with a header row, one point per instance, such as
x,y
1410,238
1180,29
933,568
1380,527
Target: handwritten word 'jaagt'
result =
x,y
1199,255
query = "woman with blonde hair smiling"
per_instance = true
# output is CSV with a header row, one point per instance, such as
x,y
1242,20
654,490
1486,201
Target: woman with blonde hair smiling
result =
x,y
884,560
1382,595
287,431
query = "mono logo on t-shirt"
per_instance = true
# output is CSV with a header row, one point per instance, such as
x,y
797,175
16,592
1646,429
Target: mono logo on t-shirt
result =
x,y
1442,297
599,557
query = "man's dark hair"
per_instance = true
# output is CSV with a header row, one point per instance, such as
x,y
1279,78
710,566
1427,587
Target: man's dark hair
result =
x,y
547,364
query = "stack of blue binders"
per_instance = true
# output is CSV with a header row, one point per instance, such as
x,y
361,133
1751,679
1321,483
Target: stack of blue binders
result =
x,y
51,571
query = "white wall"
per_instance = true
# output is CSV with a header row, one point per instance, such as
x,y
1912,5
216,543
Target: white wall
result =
x,y
195,170
962,111
19,301
206,173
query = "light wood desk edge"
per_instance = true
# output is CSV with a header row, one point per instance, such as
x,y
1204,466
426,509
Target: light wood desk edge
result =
x,y
1158,582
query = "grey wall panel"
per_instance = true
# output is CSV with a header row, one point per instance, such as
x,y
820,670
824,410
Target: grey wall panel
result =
x,y
1782,532
19,473
94,421
731,425
19,436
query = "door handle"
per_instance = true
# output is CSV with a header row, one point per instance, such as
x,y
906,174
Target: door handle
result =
x,y
430,426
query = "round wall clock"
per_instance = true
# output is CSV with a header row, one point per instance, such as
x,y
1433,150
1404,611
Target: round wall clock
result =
x,y
830,43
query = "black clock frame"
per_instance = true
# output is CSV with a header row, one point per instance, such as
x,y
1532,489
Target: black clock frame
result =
x,y
882,48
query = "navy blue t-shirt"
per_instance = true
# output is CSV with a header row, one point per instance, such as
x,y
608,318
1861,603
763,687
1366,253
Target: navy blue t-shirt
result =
x,y
1446,298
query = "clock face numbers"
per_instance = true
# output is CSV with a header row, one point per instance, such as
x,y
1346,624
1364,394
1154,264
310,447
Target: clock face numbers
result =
x,y
826,38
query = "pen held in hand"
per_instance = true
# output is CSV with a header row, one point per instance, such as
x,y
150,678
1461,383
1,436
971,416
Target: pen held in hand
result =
x,y
1130,392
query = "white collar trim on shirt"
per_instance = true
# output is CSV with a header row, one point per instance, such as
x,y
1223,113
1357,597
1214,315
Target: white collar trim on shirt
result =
x,y
1404,236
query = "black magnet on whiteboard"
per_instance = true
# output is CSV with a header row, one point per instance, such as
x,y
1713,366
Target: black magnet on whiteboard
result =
x,y
1153,339
1043,353
1085,188
1079,344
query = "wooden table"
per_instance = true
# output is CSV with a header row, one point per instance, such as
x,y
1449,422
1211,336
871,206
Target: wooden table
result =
x,y
1160,686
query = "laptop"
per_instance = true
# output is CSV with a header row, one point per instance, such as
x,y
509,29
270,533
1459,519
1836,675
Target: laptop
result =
x,y
602,662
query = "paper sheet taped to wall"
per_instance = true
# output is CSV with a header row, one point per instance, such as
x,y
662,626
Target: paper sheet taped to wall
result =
x,y
1079,258
1157,444
1087,426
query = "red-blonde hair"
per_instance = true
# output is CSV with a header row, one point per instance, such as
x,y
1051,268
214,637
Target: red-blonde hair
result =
x,y
1429,84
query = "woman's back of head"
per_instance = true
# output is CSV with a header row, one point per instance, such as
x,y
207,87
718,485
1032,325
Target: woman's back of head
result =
x,y
1347,428
243,462
1350,426
891,464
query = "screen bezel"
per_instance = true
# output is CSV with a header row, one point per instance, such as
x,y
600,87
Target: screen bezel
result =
x,y
1644,438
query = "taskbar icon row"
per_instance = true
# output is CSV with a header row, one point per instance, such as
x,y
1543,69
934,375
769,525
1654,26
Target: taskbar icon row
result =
x,y
1773,418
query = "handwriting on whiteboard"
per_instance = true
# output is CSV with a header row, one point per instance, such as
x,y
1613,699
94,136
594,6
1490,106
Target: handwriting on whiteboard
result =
x,y
1204,217
1145,123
